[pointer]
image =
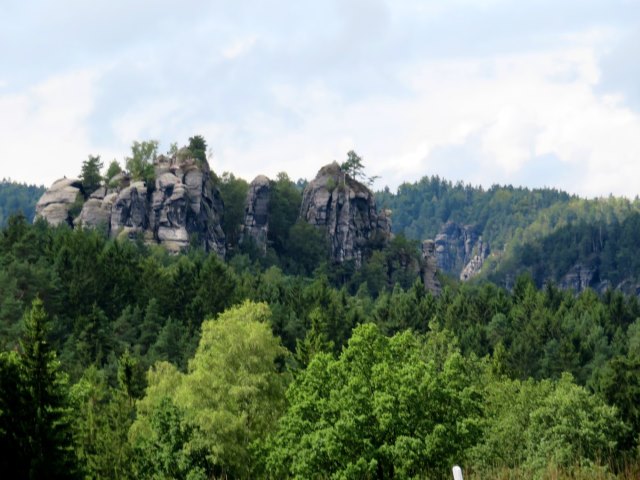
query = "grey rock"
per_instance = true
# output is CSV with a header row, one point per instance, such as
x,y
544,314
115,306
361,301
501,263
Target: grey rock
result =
x,y
129,211
96,213
184,206
55,203
478,253
256,213
430,267
346,210
460,250
578,278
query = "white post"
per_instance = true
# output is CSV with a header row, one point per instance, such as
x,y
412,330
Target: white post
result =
x,y
457,473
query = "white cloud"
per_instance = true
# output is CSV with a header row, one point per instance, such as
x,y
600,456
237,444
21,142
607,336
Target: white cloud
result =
x,y
508,111
239,47
45,128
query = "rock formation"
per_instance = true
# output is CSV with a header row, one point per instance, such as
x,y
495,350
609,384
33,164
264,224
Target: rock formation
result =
x,y
346,210
474,265
182,206
256,213
56,202
578,278
430,267
96,211
460,249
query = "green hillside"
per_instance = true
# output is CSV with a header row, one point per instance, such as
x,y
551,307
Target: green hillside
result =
x,y
18,197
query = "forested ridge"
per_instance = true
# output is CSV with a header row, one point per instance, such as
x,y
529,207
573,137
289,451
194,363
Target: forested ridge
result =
x,y
122,360
18,197
545,232
161,366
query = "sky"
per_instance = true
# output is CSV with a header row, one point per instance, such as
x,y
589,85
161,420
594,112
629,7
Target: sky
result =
x,y
538,93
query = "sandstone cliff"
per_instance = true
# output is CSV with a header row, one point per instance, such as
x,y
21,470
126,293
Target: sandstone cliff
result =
x,y
181,206
256,213
430,267
55,204
459,249
346,210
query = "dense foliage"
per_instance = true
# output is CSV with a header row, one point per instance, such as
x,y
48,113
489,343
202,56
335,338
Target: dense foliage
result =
x,y
18,198
255,373
544,231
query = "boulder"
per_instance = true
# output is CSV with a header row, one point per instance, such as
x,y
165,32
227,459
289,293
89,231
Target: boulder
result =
x,y
96,212
55,204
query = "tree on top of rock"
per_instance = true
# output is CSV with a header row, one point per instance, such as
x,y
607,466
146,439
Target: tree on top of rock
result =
x,y
90,174
198,147
140,164
354,167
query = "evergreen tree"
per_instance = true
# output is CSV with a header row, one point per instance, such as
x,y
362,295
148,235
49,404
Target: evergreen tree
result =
x,y
49,429
90,174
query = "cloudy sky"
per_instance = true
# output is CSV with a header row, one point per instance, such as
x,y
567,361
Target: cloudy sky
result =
x,y
525,92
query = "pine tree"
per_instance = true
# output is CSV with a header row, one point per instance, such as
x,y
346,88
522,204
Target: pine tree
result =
x,y
90,174
49,429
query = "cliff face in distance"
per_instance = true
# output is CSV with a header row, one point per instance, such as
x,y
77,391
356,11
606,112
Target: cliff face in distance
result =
x,y
346,210
183,206
256,213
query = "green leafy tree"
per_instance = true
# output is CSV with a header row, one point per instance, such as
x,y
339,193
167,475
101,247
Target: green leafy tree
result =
x,y
234,391
234,193
140,163
113,169
207,421
396,407
90,174
198,147
571,425
284,206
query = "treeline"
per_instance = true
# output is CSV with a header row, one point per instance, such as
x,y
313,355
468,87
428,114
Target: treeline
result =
x,y
421,208
607,250
138,364
510,219
18,198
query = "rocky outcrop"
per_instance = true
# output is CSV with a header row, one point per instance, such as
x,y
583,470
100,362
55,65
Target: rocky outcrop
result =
x,y
256,213
578,278
430,267
56,203
182,206
346,210
129,215
96,211
460,250
474,265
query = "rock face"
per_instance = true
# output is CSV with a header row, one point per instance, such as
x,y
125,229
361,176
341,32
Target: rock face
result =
x,y
346,210
55,203
256,213
96,211
430,267
182,206
474,265
459,248
578,278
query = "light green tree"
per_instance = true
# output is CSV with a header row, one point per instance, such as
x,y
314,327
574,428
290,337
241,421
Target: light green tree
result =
x,y
140,163
231,397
